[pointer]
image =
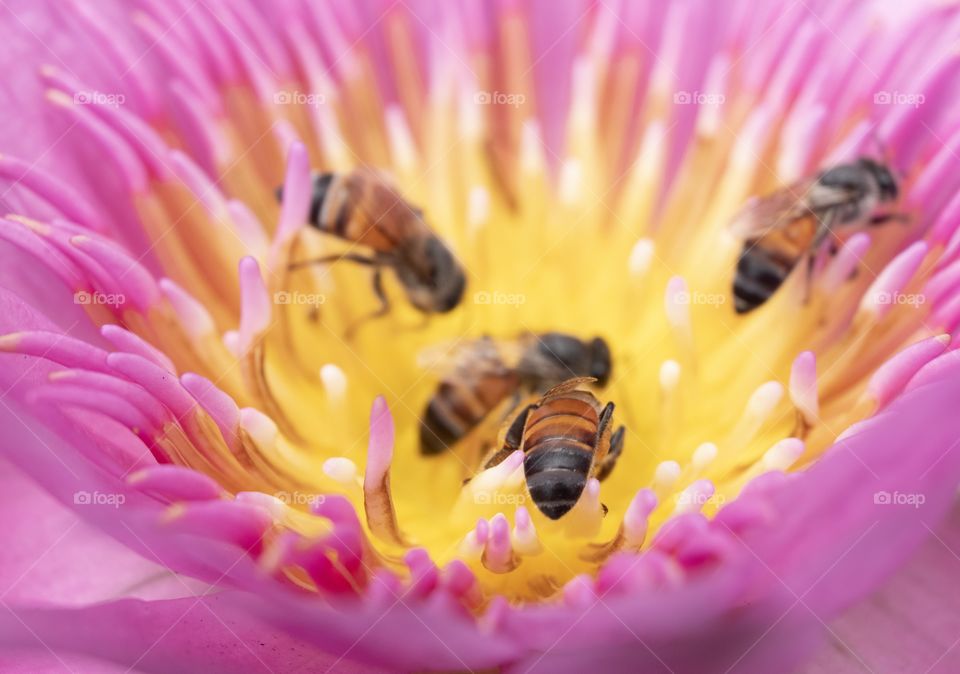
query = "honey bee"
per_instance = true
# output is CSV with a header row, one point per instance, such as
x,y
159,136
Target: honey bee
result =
x,y
566,439
782,228
486,373
362,207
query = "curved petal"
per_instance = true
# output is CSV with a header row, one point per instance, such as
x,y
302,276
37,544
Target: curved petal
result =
x,y
193,634
39,661
911,625
825,540
731,592
61,560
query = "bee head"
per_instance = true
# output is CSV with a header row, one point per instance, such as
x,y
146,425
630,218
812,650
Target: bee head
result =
x,y
886,182
600,363
574,357
432,277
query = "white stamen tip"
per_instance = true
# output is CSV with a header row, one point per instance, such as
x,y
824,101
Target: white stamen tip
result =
x,y
259,426
704,455
764,400
641,255
401,141
666,474
571,181
340,469
783,454
694,497
334,381
478,207
669,375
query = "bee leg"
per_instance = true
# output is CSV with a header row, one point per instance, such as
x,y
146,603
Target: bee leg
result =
x,y
884,218
513,439
382,311
604,421
610,460
328,259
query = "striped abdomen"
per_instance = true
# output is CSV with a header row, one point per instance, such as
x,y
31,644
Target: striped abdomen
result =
x,y
358,208
765,263
559,442
459,405
760,272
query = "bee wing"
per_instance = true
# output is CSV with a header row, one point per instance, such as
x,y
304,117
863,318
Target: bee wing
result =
x,y
772,211
823,199
450,354
457,355
375,175
382,196
569,385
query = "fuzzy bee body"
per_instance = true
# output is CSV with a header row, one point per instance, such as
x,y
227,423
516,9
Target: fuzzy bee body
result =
x,y
458,405
789,225
566,440
363,208
356,207
486,372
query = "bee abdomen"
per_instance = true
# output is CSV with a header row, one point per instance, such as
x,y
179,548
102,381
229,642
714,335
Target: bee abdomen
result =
x,y
331,203
321,185
556,472
555,492
440,428
456,408
759,275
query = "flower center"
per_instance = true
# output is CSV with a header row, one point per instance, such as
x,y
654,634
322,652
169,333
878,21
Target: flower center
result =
x,y
628,242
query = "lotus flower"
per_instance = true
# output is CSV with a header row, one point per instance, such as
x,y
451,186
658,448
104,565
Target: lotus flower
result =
x,y
236,483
